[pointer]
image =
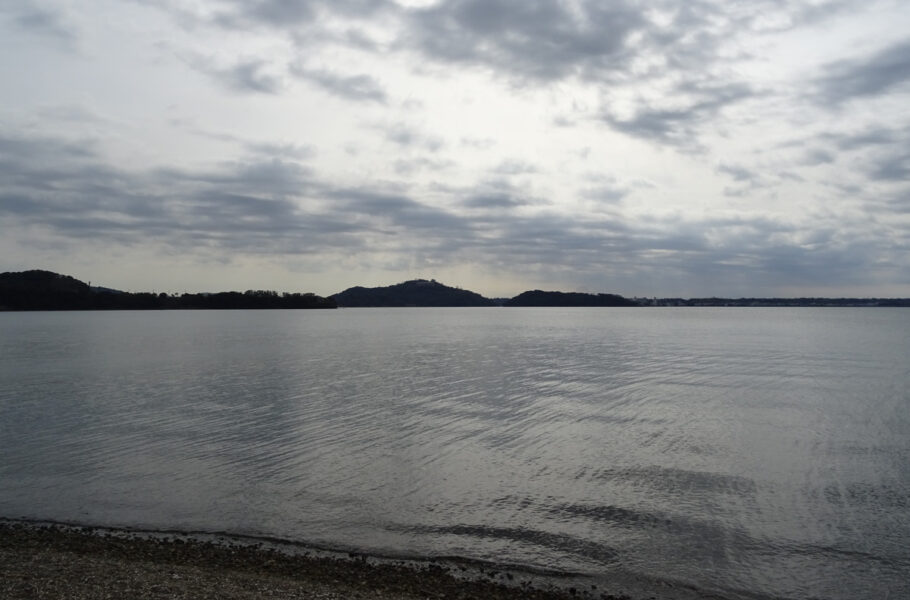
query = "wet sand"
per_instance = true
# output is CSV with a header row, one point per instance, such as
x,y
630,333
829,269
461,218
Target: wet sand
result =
x,y
53,561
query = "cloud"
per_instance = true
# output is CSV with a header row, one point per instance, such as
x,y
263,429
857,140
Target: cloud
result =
x,y
893,168
41,21
494,200
737,172
678,119
397,210
79,196
281,150
884,71
877,136
496,195
879,153
533,42
817,156
261,206
404,166
269,12
351,87
258,206
249,75
515,167
291,14
605,194
537,40
407,135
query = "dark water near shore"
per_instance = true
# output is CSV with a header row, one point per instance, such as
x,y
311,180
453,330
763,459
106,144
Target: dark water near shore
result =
x,y
746,451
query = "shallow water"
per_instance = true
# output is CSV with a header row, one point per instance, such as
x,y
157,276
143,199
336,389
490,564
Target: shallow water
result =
x,y
736,450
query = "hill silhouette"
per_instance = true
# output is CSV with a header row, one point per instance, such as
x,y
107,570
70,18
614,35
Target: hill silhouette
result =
x,y
45,290
417,292
541,298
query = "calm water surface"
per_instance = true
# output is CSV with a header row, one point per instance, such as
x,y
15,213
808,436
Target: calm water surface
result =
x,y
745,451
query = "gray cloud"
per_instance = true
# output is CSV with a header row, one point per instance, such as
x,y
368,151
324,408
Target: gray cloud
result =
x,y
884,71
36,19
737,172
494,200
493,193
893,168
289,14
281,150
515,167
604,190
543,40
878,136
817,156
879,153
277,206
352,87
605,194
900,204
532,38
680,126
404,134
269,12
78,196
618,42
248,75
405,166
269,149
398,210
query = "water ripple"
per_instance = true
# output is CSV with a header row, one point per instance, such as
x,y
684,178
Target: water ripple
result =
x,y
729,450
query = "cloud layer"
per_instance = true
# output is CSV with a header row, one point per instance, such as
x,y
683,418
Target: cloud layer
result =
x,y
660,148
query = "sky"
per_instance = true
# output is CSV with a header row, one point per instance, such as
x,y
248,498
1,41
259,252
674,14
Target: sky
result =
x,y
646,148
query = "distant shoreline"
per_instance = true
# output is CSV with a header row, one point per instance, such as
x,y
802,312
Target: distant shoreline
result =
x,y
887,303
38,290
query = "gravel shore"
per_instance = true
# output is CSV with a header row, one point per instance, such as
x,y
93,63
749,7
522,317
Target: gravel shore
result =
x,y
52,562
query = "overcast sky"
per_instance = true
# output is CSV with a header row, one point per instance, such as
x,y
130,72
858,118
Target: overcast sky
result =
x,y
660,147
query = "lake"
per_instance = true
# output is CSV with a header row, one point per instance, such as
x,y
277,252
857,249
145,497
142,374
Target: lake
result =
x,y
748,452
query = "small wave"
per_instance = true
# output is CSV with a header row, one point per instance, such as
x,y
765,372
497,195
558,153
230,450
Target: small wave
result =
x,y
613,515
563,543
671,479
866,494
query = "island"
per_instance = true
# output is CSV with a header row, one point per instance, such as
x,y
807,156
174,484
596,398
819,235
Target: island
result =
x,y
417,292
541,298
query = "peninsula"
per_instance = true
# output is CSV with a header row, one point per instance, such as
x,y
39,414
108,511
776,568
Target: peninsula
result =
x,y
44,290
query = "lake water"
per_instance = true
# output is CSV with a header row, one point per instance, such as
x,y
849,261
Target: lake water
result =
x,y
749,452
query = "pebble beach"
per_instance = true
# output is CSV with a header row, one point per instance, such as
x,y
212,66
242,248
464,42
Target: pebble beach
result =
x,y
41,561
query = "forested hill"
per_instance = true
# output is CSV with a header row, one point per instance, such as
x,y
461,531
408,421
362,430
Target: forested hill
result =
x,y
44,290
541,298
418,292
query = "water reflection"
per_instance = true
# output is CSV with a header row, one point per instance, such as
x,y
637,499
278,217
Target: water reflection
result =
x,y
762,450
